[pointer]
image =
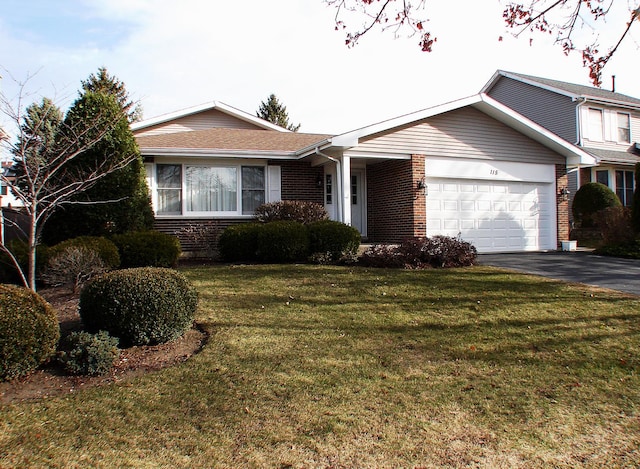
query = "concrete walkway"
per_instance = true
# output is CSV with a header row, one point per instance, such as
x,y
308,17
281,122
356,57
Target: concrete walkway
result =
x,y
576,266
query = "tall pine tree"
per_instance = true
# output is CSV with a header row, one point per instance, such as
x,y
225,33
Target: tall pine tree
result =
x,y
120,201
275,112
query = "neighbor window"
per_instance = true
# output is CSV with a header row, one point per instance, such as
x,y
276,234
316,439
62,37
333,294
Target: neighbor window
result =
x,y
328,189
624,128
3,190
602,177
595,124
624,187
199,189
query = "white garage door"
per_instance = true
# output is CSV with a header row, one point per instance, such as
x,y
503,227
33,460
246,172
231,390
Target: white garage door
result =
x,y
495,216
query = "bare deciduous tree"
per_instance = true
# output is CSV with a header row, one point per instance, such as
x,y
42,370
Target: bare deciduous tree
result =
x,y
561,18
50,165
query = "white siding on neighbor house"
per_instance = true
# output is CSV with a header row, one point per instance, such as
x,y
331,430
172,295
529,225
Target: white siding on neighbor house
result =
x,y
201,121
463,133
552,111
609,142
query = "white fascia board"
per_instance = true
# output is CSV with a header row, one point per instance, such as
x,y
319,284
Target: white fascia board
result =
x,y
509,117
492,81
199,153
225,108
610,102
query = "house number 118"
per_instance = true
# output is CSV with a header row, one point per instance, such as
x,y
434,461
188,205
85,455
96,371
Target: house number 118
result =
x,y
493,172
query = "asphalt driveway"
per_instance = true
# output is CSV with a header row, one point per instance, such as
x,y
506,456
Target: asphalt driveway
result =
x,y
576,266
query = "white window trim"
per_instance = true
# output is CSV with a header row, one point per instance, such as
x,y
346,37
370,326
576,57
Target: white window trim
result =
x,y
153,187
617,127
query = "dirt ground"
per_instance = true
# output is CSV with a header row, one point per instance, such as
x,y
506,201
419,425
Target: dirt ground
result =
x,y
50,380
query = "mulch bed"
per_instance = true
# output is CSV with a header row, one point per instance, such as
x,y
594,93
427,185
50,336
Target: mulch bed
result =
x,y
50,380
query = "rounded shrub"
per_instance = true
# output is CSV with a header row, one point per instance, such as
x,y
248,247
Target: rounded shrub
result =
x,y
147,249
141,306
283,241
89,354
29,331
333,238
105,248
591,198
239,243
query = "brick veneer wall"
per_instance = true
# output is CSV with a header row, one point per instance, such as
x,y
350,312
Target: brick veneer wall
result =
x,y
299,182
396,210
562,181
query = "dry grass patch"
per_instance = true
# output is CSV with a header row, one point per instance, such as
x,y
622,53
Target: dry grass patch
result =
x,y
315,366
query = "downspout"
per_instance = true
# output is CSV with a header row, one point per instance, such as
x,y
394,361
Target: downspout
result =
x,y
337,184
579,125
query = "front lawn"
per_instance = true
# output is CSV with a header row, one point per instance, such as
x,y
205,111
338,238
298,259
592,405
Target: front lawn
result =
x,y
313,366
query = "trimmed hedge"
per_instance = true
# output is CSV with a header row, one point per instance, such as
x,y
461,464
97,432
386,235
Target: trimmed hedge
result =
x,y
239,243
333,238
141,306
105,248
283,241
29,331
591,198
147,249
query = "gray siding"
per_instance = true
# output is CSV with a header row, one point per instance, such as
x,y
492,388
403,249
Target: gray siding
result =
x,y
463,133
552,111
200,121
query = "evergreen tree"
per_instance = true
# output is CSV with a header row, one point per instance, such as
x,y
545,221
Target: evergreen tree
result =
x,y
120,201
275,112
102,82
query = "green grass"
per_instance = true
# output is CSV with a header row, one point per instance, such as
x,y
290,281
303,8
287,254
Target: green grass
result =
x,y
313,366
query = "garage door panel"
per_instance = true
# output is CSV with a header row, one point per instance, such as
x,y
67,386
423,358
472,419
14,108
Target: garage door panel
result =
x,y
493,215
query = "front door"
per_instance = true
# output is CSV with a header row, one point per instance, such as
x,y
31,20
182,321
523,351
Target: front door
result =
x,y
358,219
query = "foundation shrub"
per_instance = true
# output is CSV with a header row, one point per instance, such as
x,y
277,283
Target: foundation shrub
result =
x,y
420,253
333,240
73,266
282,242
140,306
147,249
591,198
291,210
29,331
239,243
105,248
614,225
89,354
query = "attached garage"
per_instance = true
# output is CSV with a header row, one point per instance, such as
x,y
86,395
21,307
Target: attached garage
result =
x,y
497,206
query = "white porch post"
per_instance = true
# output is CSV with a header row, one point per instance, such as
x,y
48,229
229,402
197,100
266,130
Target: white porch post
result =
x,y
345,184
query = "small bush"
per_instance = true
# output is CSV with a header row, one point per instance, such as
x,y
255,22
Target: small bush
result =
x,y
420,253
105,248
147,249
29,331
20,249
283,241
333,239
589,199
629,250
291,210
89,354
614,225
239,243
141,306
73,266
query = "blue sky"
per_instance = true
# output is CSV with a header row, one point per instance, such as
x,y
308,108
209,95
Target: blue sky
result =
x,y
173,55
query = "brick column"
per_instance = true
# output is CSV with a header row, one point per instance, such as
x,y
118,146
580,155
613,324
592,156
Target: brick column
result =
x,y
562,181
419,198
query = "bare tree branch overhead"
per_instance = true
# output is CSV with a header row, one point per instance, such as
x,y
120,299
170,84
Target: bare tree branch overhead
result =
x,y
566,20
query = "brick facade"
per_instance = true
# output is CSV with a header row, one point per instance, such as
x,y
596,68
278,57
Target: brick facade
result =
x,y
562,203
396,210
300,181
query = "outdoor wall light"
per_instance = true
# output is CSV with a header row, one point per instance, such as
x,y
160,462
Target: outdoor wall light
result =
x,y
420,185
564,193
319,181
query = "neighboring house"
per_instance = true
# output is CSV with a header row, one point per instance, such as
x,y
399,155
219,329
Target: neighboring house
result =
x,y
604,123
471,168
7,199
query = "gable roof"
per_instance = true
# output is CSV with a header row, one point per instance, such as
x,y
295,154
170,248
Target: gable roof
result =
x,y
228,142
224,108
571,90
483,103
